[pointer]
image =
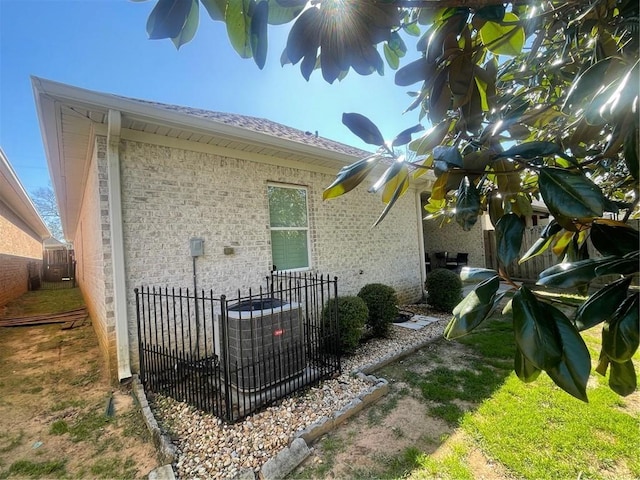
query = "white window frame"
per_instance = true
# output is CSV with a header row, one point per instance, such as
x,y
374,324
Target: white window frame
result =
x,y
306,229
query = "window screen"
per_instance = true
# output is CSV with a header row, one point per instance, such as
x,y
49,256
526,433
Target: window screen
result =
x,y
289,227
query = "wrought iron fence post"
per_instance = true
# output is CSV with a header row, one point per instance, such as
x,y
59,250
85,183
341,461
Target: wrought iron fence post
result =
x,y
224,358
140,351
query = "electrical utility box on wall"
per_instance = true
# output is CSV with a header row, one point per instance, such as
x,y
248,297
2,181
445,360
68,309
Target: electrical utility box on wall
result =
x,y
197,247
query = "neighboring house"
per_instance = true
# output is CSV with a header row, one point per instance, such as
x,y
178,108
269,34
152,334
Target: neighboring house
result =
x,y
22,232
137,180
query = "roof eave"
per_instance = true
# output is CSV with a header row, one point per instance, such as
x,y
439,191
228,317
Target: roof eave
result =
x,y
20,203
177,119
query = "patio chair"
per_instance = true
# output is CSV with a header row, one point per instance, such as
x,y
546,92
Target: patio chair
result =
x,y
457,262
441,259
451,262
462,259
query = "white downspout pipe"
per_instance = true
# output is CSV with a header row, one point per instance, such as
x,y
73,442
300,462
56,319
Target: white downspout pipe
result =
x,y
117,245
420,214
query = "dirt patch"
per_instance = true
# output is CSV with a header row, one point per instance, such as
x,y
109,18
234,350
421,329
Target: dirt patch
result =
x,y
365,445
60,416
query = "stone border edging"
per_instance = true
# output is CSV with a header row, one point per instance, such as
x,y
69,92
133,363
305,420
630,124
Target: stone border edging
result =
x,y
289,457
166,449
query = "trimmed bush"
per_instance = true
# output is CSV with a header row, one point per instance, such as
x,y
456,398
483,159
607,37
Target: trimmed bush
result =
x,y
444,289
352,316
381,301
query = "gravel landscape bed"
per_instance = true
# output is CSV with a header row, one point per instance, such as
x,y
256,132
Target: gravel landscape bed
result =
x,y
207,447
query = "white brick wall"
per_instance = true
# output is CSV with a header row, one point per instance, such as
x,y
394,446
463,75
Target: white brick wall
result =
x,y
93,252
170,195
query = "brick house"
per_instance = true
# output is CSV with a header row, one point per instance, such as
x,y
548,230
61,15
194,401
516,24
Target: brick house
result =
x,y
137,180
22,232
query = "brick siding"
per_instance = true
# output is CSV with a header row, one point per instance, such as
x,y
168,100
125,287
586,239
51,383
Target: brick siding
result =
x,y
170,195
93,254
19,246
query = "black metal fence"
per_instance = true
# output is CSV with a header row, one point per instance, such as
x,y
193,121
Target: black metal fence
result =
x,y
232,357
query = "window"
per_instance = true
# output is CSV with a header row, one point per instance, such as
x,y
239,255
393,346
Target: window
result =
x,y
289,225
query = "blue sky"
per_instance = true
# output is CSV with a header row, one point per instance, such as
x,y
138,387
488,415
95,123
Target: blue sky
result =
x,y
102,45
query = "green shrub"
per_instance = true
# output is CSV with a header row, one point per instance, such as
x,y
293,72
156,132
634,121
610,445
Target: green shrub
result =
x,y
381,301
352,316
444,289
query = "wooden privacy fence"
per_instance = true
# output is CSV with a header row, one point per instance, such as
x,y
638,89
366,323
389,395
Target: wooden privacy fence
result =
x,y
528,270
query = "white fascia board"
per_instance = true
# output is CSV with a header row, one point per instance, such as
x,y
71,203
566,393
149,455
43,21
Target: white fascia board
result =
x,y
49,130
18,200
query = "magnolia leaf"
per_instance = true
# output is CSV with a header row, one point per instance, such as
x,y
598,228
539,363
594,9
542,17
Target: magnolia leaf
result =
x,y
396,44
350,177
563,240
431,139
391,56
572,372
392,171
509,232
473,309
620,335
525,370
404,137
303,40
476,274
258,36
168,18
503,39
622,266
399,191
477,161
496,211
626,238
522,205
508,177
536,334
571,275
570,194
587,84
438,190
284,12
400,180
602,304
363,128
422,166
411,28
546,237
215,8
531,150
467,204
238,22
190,26
435,206
622,378
492,13
450,155
631,145
416,71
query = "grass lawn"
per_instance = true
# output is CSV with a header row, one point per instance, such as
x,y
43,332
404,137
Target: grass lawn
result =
x,y
45,301
54,392
498,427
534,430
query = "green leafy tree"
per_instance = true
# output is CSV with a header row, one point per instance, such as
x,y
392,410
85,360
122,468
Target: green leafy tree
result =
x,y
526,100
